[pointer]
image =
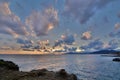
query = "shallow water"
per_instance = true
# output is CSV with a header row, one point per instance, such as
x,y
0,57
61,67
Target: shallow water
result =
x,y
86,67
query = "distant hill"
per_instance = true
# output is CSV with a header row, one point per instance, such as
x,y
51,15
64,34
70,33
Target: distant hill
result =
x,y
97,52
105,52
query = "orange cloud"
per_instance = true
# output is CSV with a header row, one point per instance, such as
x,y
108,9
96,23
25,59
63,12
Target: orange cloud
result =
x,y
86,35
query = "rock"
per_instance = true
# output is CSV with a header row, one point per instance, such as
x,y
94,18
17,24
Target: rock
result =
x,y
40,72
73,76
8,65
62,73
116,59
10,71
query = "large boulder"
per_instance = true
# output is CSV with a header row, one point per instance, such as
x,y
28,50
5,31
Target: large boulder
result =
x,y
8,65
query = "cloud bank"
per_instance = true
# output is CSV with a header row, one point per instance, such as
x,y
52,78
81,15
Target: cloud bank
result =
x,y
93,45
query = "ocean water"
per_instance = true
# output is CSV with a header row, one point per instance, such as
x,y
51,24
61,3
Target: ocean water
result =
x,y
86,67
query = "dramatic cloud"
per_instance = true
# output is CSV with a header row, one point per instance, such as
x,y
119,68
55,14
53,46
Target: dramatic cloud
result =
x,y
86,36
9,22
94,45
83,10
65,39
25,43
41,22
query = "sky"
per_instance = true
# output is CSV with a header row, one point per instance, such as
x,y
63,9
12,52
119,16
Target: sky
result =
x,y
88,24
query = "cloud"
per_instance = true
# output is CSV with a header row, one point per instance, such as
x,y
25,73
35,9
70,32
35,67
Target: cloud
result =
x,y
94,45
37,24
86,35
83,10
115,33
117,26
42,22
66,40
100,45
113,44
9,22
25,43
8,31
112,34
43,42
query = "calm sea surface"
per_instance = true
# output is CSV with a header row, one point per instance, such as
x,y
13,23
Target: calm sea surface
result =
x,y
86,67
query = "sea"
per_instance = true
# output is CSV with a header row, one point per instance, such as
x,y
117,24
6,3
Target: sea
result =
x,y
85,66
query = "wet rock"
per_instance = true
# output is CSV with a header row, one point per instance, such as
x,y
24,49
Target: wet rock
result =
x,y
73,76
62,73
116,59
39,72
10,71
9,65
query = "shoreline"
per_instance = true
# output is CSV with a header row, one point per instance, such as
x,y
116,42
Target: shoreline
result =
x,y
10,71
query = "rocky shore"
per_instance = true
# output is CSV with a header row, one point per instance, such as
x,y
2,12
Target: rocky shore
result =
x,y
10,71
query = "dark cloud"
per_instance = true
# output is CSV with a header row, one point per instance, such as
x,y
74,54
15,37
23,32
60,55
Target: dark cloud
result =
x,y
66,40
83,10
94,45
25,43
26,46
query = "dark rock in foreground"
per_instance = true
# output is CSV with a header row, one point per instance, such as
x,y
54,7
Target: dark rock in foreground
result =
x,y
8,65
116,59
10,71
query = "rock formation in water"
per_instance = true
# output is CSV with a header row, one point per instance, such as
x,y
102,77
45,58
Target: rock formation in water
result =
x,y
116,59
10,71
